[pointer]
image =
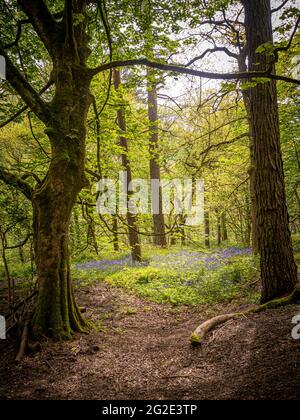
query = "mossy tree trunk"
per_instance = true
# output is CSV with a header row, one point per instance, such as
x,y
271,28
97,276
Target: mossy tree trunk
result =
x,y
278,268
57,314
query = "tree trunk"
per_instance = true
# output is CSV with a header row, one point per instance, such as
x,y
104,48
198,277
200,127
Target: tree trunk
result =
x,y
57,314
278,268
133,236
76,233
182,235
245,93
159,237
224,227
219,236
206,229
10,282
115,233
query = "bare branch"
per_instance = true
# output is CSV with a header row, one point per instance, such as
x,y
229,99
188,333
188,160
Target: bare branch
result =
x,y
212,50
198,73
20,244
223,143
103,16
285,48
35,137
276,9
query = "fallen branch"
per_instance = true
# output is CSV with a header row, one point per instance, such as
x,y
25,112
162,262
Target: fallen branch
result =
x,y
203,329
24,341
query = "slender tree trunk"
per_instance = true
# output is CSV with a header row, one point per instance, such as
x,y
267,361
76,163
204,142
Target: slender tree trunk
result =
x,y
219,235
159,237
21,250
77,233
133,236
278,268
115,233
21,254
182,233
207,229
224,227
173,240
10,283
249,231
242,68
91,230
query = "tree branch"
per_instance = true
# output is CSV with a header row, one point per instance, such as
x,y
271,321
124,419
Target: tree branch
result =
x,y
13,180
276,9
20,244
198,73
24,108
103,16
287,47
20,23
212,50
24,89
222,143
43,22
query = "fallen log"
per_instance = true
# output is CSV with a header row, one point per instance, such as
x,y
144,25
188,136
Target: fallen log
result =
x,y
203,329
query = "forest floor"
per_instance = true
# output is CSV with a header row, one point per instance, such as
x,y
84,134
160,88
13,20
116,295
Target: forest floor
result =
x,y
141,351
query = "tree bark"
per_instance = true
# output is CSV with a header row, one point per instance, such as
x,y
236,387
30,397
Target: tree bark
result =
x,y
224,227
245,93
115,233
10,282
278,268
159,236
133,236
57,314
206,229
219,231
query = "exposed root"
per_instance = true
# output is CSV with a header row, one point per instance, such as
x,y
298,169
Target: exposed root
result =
x,y
203,329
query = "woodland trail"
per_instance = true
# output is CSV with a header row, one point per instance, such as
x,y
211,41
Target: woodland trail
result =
x,y
142,351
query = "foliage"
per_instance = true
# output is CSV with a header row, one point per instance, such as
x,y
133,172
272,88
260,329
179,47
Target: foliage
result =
x,y
186,277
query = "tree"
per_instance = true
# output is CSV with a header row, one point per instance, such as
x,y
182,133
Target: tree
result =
x,y
133,235
278,267
159,236
60,36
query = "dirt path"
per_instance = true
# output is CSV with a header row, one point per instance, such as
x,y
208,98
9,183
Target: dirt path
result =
x,y
143,352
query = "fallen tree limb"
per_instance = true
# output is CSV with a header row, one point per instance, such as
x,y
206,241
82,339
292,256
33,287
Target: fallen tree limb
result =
x,y
24,341
203,329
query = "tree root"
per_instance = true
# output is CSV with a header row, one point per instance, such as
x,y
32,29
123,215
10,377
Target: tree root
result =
x,y
203,329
